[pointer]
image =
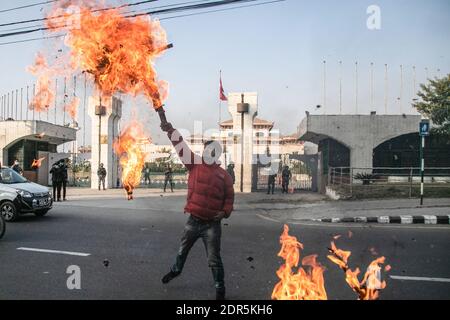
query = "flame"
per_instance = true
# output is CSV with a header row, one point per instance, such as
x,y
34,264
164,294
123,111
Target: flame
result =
x,y
44,95
119,52
371,284
307,283
132,157
37,163
72,108
40,135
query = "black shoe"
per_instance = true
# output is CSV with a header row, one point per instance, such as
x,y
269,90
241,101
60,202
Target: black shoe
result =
x,y
220,294
169,277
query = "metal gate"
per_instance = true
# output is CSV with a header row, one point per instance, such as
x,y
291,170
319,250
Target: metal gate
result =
x,y
304,169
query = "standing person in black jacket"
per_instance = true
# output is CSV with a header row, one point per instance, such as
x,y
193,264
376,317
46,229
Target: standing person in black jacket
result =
x,y
271,183
168,178
286,176
101,173
65,177
56,173
230,171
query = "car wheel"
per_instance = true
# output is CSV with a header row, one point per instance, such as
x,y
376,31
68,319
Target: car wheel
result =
x,y
9,211
41,213
2,226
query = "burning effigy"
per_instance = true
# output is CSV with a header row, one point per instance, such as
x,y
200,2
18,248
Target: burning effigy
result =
x,y
307,282
132,157
117,52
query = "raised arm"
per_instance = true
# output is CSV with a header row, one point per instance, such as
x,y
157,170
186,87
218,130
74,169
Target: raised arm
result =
x,y
186,155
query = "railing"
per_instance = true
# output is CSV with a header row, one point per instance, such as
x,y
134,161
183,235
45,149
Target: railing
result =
x,y
389,182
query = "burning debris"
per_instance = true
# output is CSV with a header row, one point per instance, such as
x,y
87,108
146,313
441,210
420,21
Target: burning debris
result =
x,y
132,157
40,136
368,288
37,163
307,283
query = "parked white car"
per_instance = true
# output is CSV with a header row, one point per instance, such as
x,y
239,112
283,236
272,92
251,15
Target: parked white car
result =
x,y
30,197
9,204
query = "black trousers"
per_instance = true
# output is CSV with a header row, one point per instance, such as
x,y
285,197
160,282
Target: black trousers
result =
x,y
271,188
210,233
285,185
57,190
64,188
101,182
166,181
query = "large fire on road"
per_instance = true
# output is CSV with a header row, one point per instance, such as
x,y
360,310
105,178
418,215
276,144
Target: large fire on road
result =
x,y
307,283
118,54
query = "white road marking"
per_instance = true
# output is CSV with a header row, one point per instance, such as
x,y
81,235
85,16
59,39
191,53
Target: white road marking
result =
x,y
420,279
79,254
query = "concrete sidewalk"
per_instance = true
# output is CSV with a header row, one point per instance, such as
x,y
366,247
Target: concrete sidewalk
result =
x,y
345,211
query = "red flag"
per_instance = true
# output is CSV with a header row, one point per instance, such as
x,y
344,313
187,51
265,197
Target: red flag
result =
x,y
223,97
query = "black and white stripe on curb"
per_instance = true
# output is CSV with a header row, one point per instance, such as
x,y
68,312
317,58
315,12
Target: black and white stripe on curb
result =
x,y
391,219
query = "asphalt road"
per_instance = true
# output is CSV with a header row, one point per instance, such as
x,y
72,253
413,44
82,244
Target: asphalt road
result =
x,y
140,240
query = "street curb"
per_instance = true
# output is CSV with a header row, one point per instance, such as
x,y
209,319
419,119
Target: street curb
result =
x,y
424,219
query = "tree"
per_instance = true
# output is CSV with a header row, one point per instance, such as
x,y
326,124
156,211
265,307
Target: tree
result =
x,y
435,103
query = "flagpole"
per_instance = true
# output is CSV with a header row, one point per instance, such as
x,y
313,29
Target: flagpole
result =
x,y
220,101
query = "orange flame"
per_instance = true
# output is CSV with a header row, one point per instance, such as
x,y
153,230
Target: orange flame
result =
x,y
305,284
371,284
132,157
37,163
118,51
44,95
40,135
72,108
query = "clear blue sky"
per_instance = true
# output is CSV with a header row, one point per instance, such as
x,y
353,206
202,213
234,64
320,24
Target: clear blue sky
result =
x,y
278,51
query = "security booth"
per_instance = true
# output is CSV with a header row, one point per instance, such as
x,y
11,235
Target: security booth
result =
x,y
31,141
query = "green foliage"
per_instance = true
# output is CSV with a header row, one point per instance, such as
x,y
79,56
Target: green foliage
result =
x,y
435,103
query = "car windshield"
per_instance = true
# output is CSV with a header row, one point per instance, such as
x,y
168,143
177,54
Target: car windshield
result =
x,y
9,176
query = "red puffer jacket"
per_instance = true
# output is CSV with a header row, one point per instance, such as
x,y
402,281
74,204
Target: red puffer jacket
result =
x,y
210,188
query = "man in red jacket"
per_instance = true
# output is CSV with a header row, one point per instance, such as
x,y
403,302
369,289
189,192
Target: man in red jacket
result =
x,y
210,199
